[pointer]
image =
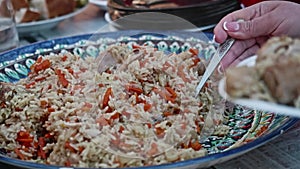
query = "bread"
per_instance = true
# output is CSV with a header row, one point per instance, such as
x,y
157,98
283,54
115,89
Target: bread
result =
x,y
33,10
275,76
281,80
26,15
54,8
240,86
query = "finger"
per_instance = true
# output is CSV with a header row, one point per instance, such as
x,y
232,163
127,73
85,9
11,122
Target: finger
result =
x,y
237,49
220,34
245,14
253,28
249,52
256,18
261,21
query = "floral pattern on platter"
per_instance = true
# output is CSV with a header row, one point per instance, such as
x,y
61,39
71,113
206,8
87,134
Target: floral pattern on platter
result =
x,y
85,48
244,125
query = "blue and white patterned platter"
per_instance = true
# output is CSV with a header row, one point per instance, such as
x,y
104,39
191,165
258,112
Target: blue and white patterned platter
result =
x,y
248,129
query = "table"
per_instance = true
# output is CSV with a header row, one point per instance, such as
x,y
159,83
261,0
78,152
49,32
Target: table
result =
x,y
280,153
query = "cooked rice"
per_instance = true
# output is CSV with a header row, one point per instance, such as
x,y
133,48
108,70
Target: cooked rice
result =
x,y
150,117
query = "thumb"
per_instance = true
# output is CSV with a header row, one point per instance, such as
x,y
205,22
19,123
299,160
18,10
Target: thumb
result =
x,y
248,29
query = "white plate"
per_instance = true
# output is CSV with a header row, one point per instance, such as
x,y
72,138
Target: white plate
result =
x,y
45,24
258,104
101,3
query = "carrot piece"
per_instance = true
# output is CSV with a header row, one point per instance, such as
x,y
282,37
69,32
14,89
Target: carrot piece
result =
x,y
43,103
24,138
48,135
18,109
64,58
100,85
196,145
195,60
45,64
3,105
19,154
159,131
198,128
29,85
41,144
60,91
115,116
194,51
51,109
106,97
147,106
39,79
121,129
182,75
80,149
165,94
184,146
23,134
39,59
171,91
69,147
133,89
70,70
149,125
61,77
49,87
207,85
68,163
138,99
134,46
166,114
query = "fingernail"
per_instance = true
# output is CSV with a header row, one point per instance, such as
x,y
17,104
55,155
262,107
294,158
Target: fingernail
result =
x,y
231,26
220,69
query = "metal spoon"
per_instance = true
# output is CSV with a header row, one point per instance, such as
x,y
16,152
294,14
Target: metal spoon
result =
x,y
215,60
218,107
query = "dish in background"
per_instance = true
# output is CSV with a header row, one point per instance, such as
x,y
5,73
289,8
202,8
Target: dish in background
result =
x,y
124,23
35,26
199,13
248,128
101,3
258,104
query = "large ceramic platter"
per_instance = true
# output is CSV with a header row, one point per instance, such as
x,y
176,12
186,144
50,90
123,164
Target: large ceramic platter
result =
x,y
35,26
248,128
255,103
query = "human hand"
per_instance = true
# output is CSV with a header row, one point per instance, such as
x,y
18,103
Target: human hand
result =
x,y
260,21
